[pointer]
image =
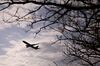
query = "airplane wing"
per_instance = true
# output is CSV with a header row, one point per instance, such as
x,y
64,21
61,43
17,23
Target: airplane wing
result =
x,y
25,42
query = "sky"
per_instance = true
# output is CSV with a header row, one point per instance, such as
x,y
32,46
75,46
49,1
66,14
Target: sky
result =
x,y
13,51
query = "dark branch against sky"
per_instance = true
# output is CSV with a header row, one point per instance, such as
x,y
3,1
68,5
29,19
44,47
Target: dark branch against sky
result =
x,y
67,6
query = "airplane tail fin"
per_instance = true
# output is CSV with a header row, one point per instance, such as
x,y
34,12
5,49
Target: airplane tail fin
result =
x,y
35,44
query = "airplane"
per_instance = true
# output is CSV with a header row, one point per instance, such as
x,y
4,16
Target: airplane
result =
x,y
31,45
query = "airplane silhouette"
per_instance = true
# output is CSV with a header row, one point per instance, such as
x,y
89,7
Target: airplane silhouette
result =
x,y
31,45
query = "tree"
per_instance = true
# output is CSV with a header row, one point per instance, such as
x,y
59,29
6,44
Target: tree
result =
x,y
77,20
